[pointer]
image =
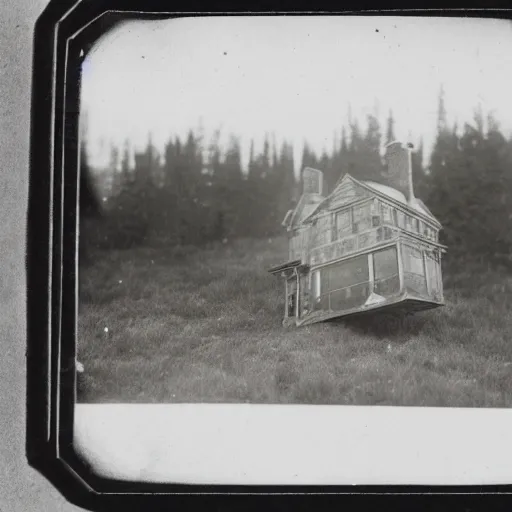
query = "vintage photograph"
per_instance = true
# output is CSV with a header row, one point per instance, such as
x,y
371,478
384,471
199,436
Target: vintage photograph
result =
x,y
297,210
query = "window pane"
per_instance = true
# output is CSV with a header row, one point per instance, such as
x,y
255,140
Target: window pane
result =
x,y
324,280
322,231
350,297
343,223
386,213
432,274
388,233
365,221
385,267
349,272
414,275
385,263
400,219
413,260
374,207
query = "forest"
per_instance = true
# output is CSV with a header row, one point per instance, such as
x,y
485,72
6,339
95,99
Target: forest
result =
x,y
197,192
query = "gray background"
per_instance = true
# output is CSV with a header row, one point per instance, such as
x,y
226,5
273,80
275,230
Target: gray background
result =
x,y
21,488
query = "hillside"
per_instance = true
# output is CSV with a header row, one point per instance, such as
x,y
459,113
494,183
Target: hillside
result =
x,y
204,325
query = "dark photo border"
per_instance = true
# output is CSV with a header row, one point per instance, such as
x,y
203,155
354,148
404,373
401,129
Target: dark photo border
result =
x,y
64,29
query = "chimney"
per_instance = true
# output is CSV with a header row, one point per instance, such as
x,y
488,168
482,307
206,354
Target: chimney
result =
x,y
312,181
410,195
399,168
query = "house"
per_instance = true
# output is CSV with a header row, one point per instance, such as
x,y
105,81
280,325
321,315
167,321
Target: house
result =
x,y
366,246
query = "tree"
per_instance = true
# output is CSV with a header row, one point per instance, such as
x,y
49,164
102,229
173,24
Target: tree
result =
x,y
188,175
370,158
468,190
390,131
363,160
309,158
441,112
229,192
339,160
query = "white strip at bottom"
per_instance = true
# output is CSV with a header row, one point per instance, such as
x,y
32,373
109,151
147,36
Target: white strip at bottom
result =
x,y
296,445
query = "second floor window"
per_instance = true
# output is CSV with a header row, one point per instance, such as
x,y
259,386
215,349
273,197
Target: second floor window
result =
x,y
343,224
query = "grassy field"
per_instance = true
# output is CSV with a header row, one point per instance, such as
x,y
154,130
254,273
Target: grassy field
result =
x,y
204,325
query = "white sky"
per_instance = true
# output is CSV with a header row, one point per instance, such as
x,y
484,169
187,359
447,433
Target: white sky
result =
x,y
293,76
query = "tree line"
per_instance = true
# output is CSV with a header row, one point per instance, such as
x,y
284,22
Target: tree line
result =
x,y
196,193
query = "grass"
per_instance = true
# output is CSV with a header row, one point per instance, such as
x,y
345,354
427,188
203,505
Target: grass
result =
x,y
204,325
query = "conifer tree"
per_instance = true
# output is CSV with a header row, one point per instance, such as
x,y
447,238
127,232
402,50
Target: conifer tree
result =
x,y
390,131
339,160
441,112
370,159
230,195
309,158
466,190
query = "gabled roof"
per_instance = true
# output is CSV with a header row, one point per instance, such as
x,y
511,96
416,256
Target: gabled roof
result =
x,y
306,202
424,207
381,190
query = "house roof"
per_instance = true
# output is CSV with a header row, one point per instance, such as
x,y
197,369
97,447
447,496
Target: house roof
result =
x,y
382,190
285,266
416,204
307,204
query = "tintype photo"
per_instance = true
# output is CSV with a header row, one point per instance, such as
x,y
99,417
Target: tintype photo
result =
x,y
270,250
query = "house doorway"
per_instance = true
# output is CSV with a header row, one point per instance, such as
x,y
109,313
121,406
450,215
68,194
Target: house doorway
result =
x,y
291,298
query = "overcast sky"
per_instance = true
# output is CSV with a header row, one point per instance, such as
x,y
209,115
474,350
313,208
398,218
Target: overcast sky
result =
x,y
294,76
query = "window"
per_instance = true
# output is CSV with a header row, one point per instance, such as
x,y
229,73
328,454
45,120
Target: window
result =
x,y
343,223
413,260
374,207
362,219
414,271
315,283
432,274
322,231
375,213
385,263
386,213
385,271
349,284
348,273
400,219
388,233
